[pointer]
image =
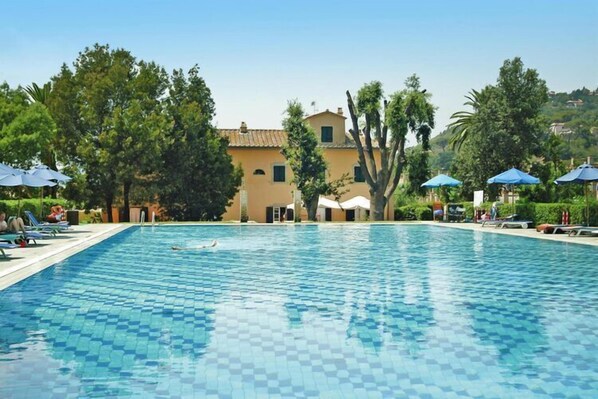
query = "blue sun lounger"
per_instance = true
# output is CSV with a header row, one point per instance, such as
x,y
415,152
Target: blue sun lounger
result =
x,y
48,227
4,246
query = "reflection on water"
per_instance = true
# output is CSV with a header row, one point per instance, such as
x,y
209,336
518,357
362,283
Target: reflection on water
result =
x,y
305,311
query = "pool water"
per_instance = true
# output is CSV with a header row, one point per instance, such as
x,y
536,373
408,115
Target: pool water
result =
x,y
331,311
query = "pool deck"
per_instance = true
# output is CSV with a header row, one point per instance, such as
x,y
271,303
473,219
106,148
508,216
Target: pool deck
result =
x,y
518,232
24,262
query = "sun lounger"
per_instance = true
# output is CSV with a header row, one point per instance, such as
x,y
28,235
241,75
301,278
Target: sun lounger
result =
x,y
17,238
555,228
4,246
497,222
581,231
524,224
48,227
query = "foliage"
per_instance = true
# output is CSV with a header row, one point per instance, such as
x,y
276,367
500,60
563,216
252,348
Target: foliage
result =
x,y
39,94
25,138
464,122
197,178
417,170
414,211
307,162
386,123
548,212
505,128
579,141
11,207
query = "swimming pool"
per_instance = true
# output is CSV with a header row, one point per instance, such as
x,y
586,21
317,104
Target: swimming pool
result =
x,y
335,311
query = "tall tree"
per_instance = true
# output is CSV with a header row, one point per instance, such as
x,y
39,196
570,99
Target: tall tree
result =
x,y
386,123
463,123
505,127
109,113
198,179
418,171
26,130
307,161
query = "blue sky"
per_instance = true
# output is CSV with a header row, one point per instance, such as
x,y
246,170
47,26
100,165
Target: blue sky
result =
x,y
256,55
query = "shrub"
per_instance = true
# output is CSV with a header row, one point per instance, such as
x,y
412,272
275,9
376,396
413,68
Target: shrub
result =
x,y
406,212
11,207
423,213
549,213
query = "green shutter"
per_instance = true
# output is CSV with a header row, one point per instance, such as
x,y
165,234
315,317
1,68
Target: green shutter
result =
x,y
326,136
279,173
358,174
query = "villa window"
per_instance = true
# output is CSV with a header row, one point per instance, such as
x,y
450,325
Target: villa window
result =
x,y
279,173
259,172
358,174
326,134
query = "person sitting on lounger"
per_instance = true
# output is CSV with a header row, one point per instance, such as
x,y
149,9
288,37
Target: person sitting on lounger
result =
x,y
213,244
57,214
14,226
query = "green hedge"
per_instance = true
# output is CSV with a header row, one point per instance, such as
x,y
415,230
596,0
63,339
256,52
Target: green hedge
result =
x,y
423,213
11,207
415,211
537,212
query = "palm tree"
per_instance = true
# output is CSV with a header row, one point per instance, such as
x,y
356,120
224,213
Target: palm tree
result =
x,y
463,124
39,94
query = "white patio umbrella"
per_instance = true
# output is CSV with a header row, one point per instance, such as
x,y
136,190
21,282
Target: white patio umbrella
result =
x,y
357,202
322,203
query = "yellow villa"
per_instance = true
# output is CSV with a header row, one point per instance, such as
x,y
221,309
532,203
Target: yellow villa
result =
x,y
267,178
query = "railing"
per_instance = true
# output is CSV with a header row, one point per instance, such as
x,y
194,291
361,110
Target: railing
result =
x,y
142,218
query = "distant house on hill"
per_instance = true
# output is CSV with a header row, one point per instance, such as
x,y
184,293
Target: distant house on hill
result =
x,y
574,103
559,129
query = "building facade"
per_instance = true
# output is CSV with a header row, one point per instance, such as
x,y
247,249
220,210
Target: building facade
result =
x,y
267,187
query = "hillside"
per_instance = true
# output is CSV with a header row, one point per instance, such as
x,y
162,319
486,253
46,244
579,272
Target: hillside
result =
x,y
572,116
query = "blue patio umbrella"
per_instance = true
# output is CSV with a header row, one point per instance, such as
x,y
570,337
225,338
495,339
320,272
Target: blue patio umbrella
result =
x,y
441,181
513,177
8,170
23,179
582,175
46,173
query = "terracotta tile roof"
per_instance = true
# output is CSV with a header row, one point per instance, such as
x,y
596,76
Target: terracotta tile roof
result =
x,y
268,138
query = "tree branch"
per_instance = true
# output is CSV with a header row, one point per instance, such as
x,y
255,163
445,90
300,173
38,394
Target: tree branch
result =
x,y
355,135
400,159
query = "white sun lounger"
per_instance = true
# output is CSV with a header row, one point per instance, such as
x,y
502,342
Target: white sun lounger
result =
x,y
498,222
580,230
524,224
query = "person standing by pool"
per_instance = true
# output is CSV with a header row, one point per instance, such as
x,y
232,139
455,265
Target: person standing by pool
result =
x,y
493,211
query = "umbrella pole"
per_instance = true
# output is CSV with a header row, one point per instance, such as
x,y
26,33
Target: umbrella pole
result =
x,y
41,204
587,205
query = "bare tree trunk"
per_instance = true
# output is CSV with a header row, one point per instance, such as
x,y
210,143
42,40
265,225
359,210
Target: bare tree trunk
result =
x,y
377,205
126,192
109,208
312,209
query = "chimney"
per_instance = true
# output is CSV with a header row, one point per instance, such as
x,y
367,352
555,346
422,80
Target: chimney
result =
x,y
243,128
339,111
